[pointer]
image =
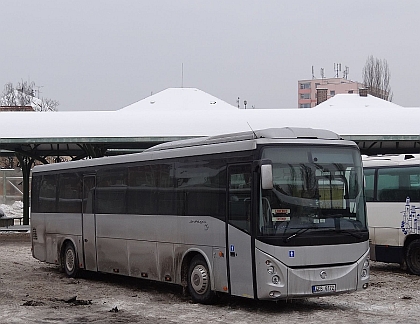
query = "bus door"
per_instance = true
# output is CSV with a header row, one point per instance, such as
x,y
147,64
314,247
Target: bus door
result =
x,y
239,231
89,223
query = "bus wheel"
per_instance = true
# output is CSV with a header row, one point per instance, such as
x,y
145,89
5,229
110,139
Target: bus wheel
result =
x,y
199,284
413,257
71,263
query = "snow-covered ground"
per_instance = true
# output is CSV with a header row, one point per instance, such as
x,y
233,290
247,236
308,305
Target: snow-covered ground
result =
x,y
14,210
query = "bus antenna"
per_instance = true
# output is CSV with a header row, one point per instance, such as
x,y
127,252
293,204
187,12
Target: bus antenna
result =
x,y
255,135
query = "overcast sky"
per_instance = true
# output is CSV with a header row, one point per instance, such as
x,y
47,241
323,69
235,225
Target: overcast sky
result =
x,y
92,55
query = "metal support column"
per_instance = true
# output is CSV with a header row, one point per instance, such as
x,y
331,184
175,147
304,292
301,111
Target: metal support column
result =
x,y
26,165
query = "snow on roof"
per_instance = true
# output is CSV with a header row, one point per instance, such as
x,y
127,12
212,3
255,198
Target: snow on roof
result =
x,y
187,112
355,101
180,99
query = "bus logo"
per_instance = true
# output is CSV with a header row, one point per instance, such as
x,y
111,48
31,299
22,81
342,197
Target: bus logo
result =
x,y
291,254
232,248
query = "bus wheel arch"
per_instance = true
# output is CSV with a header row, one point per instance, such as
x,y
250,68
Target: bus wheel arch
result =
x,y
196,278
412,254
69,259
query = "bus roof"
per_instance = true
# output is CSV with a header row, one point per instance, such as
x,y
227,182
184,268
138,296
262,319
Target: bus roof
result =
x,y
243,141
274,133
391,160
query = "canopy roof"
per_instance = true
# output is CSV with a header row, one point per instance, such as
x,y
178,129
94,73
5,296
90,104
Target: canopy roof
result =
x,y
376,125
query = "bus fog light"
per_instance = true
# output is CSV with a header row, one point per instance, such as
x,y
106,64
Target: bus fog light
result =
x,y
365,285
364,273
274,294
268,262
276,280
270,269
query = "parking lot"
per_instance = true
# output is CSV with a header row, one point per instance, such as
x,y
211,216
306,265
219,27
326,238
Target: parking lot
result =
x,y
31,291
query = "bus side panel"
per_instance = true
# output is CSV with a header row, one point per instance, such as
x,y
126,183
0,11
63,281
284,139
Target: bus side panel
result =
x,y
142,259
112,255
138,245
220,282
386,236
165,253
39,249
385,214
58,228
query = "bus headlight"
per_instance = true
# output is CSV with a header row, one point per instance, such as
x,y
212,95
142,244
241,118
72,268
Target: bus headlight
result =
x,y
270,269
276,280
366,263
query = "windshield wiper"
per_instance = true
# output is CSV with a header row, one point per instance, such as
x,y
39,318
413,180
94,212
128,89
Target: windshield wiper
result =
x,y
356,235
299,232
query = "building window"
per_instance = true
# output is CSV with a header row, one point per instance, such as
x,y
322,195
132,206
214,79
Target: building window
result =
x,y
317,85
306,105
306,85
305,96
350,91
332,93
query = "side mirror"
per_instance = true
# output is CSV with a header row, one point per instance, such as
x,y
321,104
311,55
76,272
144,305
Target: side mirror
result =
x,y
267,176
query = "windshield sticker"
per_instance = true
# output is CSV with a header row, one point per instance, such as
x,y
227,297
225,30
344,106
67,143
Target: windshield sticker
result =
x,y
280,211
409,224
280,215
280,219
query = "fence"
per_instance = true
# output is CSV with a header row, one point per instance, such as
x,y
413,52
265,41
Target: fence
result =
x,y
10,186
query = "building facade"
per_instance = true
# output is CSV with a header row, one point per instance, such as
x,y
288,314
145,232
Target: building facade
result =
x,y
314,91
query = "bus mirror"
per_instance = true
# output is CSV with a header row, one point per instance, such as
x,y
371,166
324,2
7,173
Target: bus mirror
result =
x,y
267,176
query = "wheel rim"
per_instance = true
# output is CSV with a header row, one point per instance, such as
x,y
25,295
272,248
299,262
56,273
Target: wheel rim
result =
x,y
199,279
70,260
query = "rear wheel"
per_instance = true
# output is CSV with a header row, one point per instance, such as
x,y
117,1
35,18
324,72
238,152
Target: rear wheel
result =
x,y
199,284
70,260
413,257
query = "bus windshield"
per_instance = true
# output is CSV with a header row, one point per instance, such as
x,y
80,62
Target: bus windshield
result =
x,y
315,189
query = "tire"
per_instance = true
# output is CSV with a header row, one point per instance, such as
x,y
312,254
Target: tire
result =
x,y
70,261
413,257
199,283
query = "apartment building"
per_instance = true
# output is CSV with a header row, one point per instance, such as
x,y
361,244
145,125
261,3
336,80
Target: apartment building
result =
x,y
314,91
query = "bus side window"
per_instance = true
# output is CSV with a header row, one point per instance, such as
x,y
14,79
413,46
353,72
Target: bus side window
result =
x,y
240,196
369,184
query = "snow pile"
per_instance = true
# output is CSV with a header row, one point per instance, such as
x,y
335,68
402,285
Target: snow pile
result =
x,y
14,210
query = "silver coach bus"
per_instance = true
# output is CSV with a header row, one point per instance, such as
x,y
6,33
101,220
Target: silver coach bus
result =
x,y
272,214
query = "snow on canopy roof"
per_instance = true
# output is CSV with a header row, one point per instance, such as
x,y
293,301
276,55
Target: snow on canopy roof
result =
x,y
355,101
336,114
180,99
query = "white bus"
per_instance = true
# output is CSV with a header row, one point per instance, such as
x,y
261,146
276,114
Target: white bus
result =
x,y
272,214
393,202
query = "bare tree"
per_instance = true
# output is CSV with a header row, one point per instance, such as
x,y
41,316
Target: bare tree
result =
x,y
47,105
376,77
24,95
9,95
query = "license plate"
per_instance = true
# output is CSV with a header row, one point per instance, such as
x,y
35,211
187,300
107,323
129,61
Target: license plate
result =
x,y
322,289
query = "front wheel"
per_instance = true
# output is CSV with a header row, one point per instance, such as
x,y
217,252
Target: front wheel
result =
x,y
199,284
413,257
71,263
